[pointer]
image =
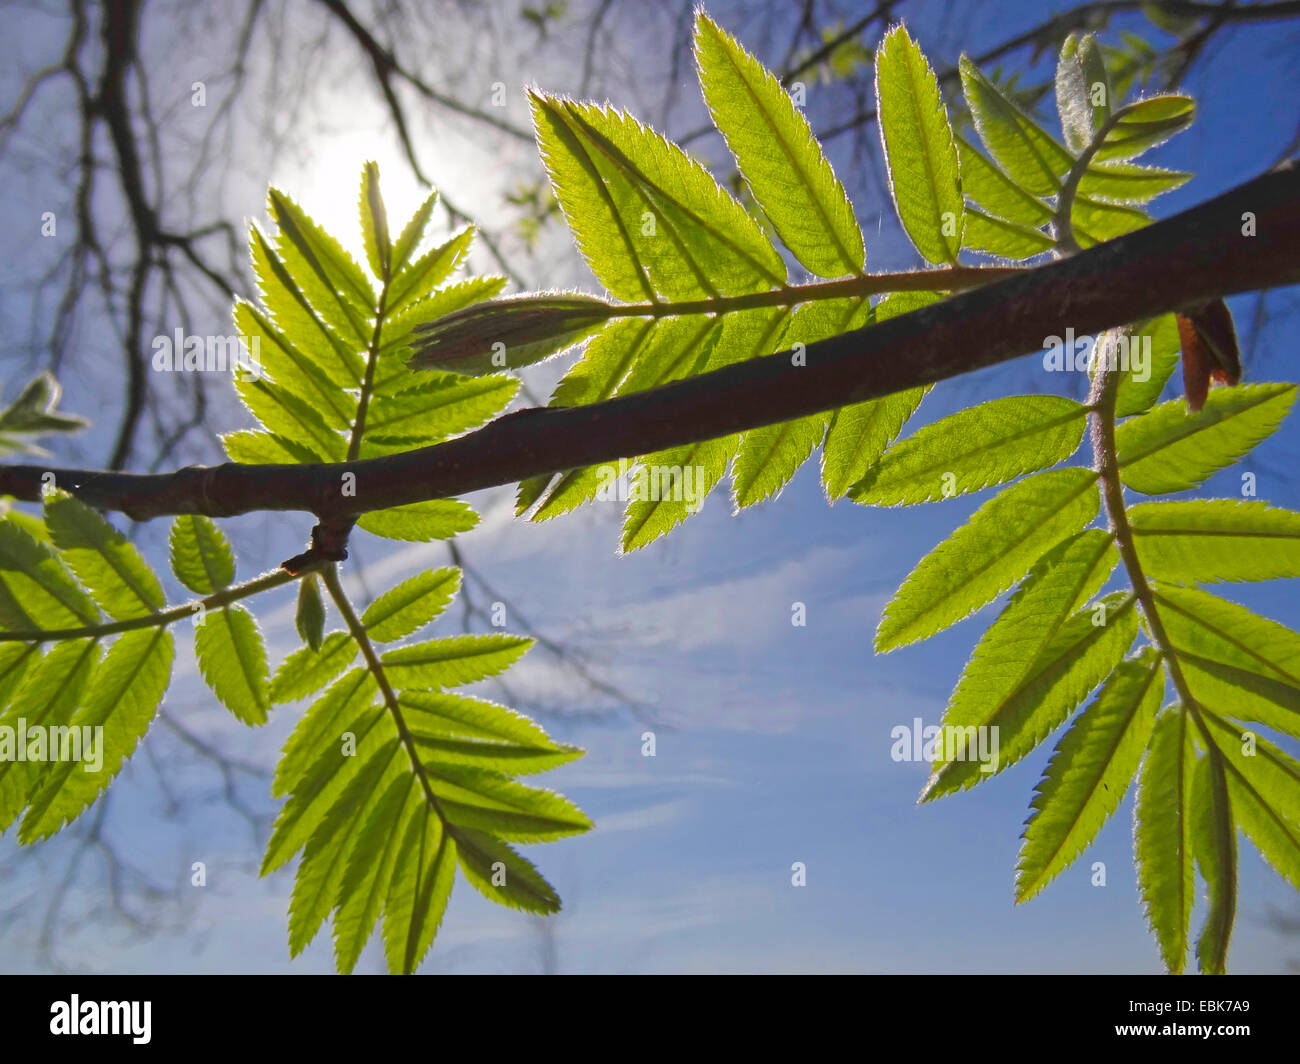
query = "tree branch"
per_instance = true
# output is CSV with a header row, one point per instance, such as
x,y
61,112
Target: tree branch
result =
x,y
1195,256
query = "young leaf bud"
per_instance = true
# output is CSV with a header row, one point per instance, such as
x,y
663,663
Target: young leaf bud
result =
x,y
507,333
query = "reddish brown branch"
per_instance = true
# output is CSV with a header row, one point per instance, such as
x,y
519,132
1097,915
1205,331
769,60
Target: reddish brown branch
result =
x,y
1185,260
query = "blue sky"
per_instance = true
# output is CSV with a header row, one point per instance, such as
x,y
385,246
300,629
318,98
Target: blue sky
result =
x,y
773,741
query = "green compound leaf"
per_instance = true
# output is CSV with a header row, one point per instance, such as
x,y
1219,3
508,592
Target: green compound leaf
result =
x,y
1163,819
1209,540
988,554
1168,450
1090,772
919,151
232,659
411,604
106,563
778,155
200,554
985,445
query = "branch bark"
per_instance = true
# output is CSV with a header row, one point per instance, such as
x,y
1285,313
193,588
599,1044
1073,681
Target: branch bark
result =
x,y
1182,261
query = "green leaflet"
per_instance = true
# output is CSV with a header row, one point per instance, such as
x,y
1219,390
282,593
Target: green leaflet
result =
x,y
1121,182
289,416
1157,338
988,554
413,232
439,407
1168,450
106,563
692,238
1061,581
996,236
1209,540
422,880
200,554
391,372
1144,124
769,456
255,447
1162,835
129,684
35,577
1030,156
374,224
1090,772
989,187
307,670
1214,845
981,446
48,696
858,435
490,801
419,279
371,735
369,869
1264,789
1233,659
326,274
919,151
324,859
522,887
411,604
453,661
778,155
420,522
232,659
648,518
323,726
1082,652
1080,79
440,713
1094,221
